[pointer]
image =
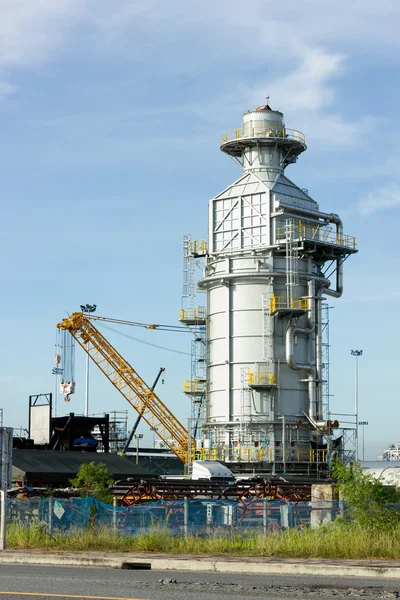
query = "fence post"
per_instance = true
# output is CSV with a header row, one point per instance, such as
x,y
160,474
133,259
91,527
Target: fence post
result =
x,y
265,515
287,515
114,516
185,516
50,515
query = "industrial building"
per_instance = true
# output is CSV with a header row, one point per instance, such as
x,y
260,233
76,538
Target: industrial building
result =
x,y
257,383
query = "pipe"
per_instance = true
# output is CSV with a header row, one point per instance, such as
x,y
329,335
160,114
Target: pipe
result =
x,y
310,366
330,218
254,275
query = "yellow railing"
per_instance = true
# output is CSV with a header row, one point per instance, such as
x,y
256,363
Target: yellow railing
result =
x,y
192,314
285,303
268,378
264,132
302,231
198,247
194,386
259,454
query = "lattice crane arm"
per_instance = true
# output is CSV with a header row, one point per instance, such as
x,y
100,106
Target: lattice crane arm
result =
x,y
127,381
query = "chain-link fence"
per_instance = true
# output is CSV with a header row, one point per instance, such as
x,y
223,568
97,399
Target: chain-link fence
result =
x,y
175,517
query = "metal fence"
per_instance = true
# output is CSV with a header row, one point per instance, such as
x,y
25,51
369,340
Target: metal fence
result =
x,y
175,517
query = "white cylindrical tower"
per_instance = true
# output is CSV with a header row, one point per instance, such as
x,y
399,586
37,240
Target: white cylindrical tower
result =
x,y
264,280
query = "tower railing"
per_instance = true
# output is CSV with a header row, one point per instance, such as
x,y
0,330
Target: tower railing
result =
x,y
261,378
284,303
192,314
252,454
194,386
267,132
302,231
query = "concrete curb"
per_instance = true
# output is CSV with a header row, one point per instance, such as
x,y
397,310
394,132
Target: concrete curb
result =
x,y
260,566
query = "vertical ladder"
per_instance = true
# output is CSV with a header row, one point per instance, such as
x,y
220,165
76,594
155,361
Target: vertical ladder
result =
x,y
188,289
267,333
292,262
325,361
245,416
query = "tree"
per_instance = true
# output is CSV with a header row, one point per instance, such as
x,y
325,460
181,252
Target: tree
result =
x,y
368,501
93,479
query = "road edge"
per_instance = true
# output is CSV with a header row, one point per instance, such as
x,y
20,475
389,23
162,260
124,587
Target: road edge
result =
x,y
214,564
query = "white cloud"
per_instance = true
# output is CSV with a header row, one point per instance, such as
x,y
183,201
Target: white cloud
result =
x,y
378,199
6,90
296,52
32,30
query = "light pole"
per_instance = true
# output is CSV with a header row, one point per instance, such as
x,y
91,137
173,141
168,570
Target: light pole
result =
x,y
154,430
87,309
138,436
363,424
356,354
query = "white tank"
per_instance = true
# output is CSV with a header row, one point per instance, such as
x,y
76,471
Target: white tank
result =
x,y
264,280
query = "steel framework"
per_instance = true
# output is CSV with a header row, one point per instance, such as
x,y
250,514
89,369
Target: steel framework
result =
x,y
128,382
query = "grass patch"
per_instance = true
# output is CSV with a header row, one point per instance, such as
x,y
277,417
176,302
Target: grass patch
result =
x,y
346,540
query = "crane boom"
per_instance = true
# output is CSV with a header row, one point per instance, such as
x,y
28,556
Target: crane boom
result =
x,y
127,381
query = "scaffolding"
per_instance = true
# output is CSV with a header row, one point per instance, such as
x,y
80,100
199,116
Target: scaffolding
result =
x,y
325,361
118,422
292,262
194,253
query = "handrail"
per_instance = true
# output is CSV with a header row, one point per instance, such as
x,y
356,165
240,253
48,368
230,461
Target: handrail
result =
x,y
192,314
194,386
260,378
281,133
302,231
286,303
259,454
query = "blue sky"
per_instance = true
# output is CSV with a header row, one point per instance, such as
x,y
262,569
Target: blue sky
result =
x,y
111,113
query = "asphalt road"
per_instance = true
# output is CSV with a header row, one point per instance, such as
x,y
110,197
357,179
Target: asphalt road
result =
x,y
45,583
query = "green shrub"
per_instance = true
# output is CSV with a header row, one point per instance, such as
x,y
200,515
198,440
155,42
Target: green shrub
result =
x,y
93,480
370,503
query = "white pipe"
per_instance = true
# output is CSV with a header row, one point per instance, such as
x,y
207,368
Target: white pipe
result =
x,y
86,411
329,218
255,275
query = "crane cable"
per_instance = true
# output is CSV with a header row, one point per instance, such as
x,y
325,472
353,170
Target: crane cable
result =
x,y
131,337
171,328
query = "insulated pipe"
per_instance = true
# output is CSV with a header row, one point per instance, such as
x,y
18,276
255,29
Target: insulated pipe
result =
x,y
310,367
330,218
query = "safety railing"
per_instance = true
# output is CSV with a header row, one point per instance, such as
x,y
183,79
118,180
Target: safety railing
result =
x,y
194,386
281,133
327,235
259,454
284,303
267,378
192,314
198,248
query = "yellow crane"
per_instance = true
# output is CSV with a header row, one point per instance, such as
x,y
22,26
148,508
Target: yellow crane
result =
x,y
127,381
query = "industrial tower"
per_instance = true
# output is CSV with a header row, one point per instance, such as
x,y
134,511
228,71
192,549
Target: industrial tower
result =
x,y
269,250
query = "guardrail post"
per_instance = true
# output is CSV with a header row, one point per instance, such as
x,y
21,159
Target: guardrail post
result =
x,y
265,516
50,515
114,516
185,517
287,515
